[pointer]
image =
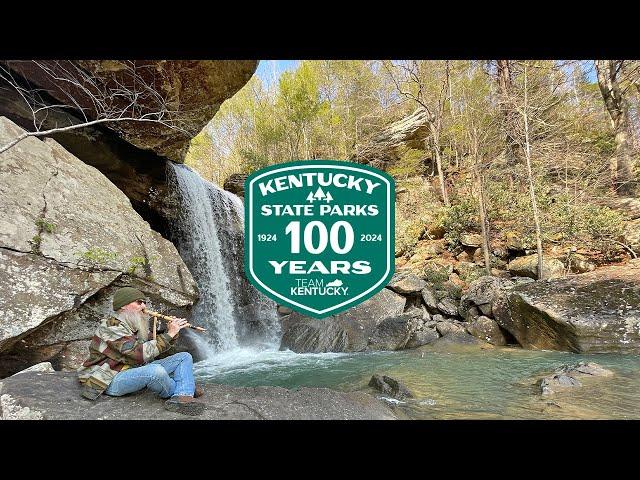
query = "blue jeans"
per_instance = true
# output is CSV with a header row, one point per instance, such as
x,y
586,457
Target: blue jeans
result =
x,y
157,377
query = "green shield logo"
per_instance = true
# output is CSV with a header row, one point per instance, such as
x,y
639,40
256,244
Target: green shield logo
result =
x,y
319,234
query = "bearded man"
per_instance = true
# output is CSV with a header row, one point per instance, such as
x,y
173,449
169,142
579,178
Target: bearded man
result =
x,y
121,358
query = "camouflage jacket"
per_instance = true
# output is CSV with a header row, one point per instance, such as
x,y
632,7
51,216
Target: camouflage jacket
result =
x,y
114,348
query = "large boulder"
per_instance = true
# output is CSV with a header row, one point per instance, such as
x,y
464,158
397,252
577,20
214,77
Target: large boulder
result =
x,y
235,183
406,283
471,239
482,293
595,312
631,235
516,242
133,155
191,92
446,327
56,396
579,263
421,337
448,306
393,333
348,331
457,339
385,148
528,267
68,238
488,330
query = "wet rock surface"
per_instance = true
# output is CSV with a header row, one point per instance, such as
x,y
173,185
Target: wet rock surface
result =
x,y
56,396
390,386
393,333
595,312
348,331
568,376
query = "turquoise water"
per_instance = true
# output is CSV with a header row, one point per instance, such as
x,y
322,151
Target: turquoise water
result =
x,y
484,384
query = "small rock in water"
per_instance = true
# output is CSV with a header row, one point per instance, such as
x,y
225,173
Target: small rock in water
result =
x,y
565,376
282,310
390,386
592,369
548,384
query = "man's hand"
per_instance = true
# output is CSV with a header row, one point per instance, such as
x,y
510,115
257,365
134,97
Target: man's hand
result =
x,y
177,324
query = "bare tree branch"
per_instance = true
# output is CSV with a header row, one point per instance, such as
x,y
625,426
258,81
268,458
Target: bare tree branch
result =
x,y
138,101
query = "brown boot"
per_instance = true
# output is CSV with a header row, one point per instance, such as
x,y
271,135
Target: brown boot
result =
x,y
185,405
198,392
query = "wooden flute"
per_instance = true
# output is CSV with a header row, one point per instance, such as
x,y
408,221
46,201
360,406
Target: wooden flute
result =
x,y
169,319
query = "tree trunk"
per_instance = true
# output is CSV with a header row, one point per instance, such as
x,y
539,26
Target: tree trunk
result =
x,y
478,174
484,224
436,151
622,161
532,192
505,87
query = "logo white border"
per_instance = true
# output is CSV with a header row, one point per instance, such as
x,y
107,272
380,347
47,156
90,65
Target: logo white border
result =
x,y
300,167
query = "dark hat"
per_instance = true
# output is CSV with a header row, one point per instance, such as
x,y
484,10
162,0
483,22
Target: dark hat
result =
x,y
125,296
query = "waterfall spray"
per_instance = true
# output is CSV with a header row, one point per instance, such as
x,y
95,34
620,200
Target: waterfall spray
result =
x,y
208,233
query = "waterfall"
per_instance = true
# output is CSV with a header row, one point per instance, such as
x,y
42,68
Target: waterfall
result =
x,y
209,234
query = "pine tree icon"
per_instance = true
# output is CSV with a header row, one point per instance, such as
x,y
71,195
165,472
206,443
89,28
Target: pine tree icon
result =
x,y
319,195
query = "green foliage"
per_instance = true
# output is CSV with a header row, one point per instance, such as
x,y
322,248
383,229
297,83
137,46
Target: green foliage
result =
x,y
98,256
454,291
473,274
604,142
318,110
253,161
458,218
45,225
410,163
435,274
323,109
201,154
36,241
562,215
408,234
582,221
135,263
414,211
299,95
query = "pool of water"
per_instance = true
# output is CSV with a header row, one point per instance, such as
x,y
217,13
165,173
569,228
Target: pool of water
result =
x,y
484,384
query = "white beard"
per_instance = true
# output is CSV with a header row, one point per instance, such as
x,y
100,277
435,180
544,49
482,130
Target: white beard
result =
x,y
137,322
